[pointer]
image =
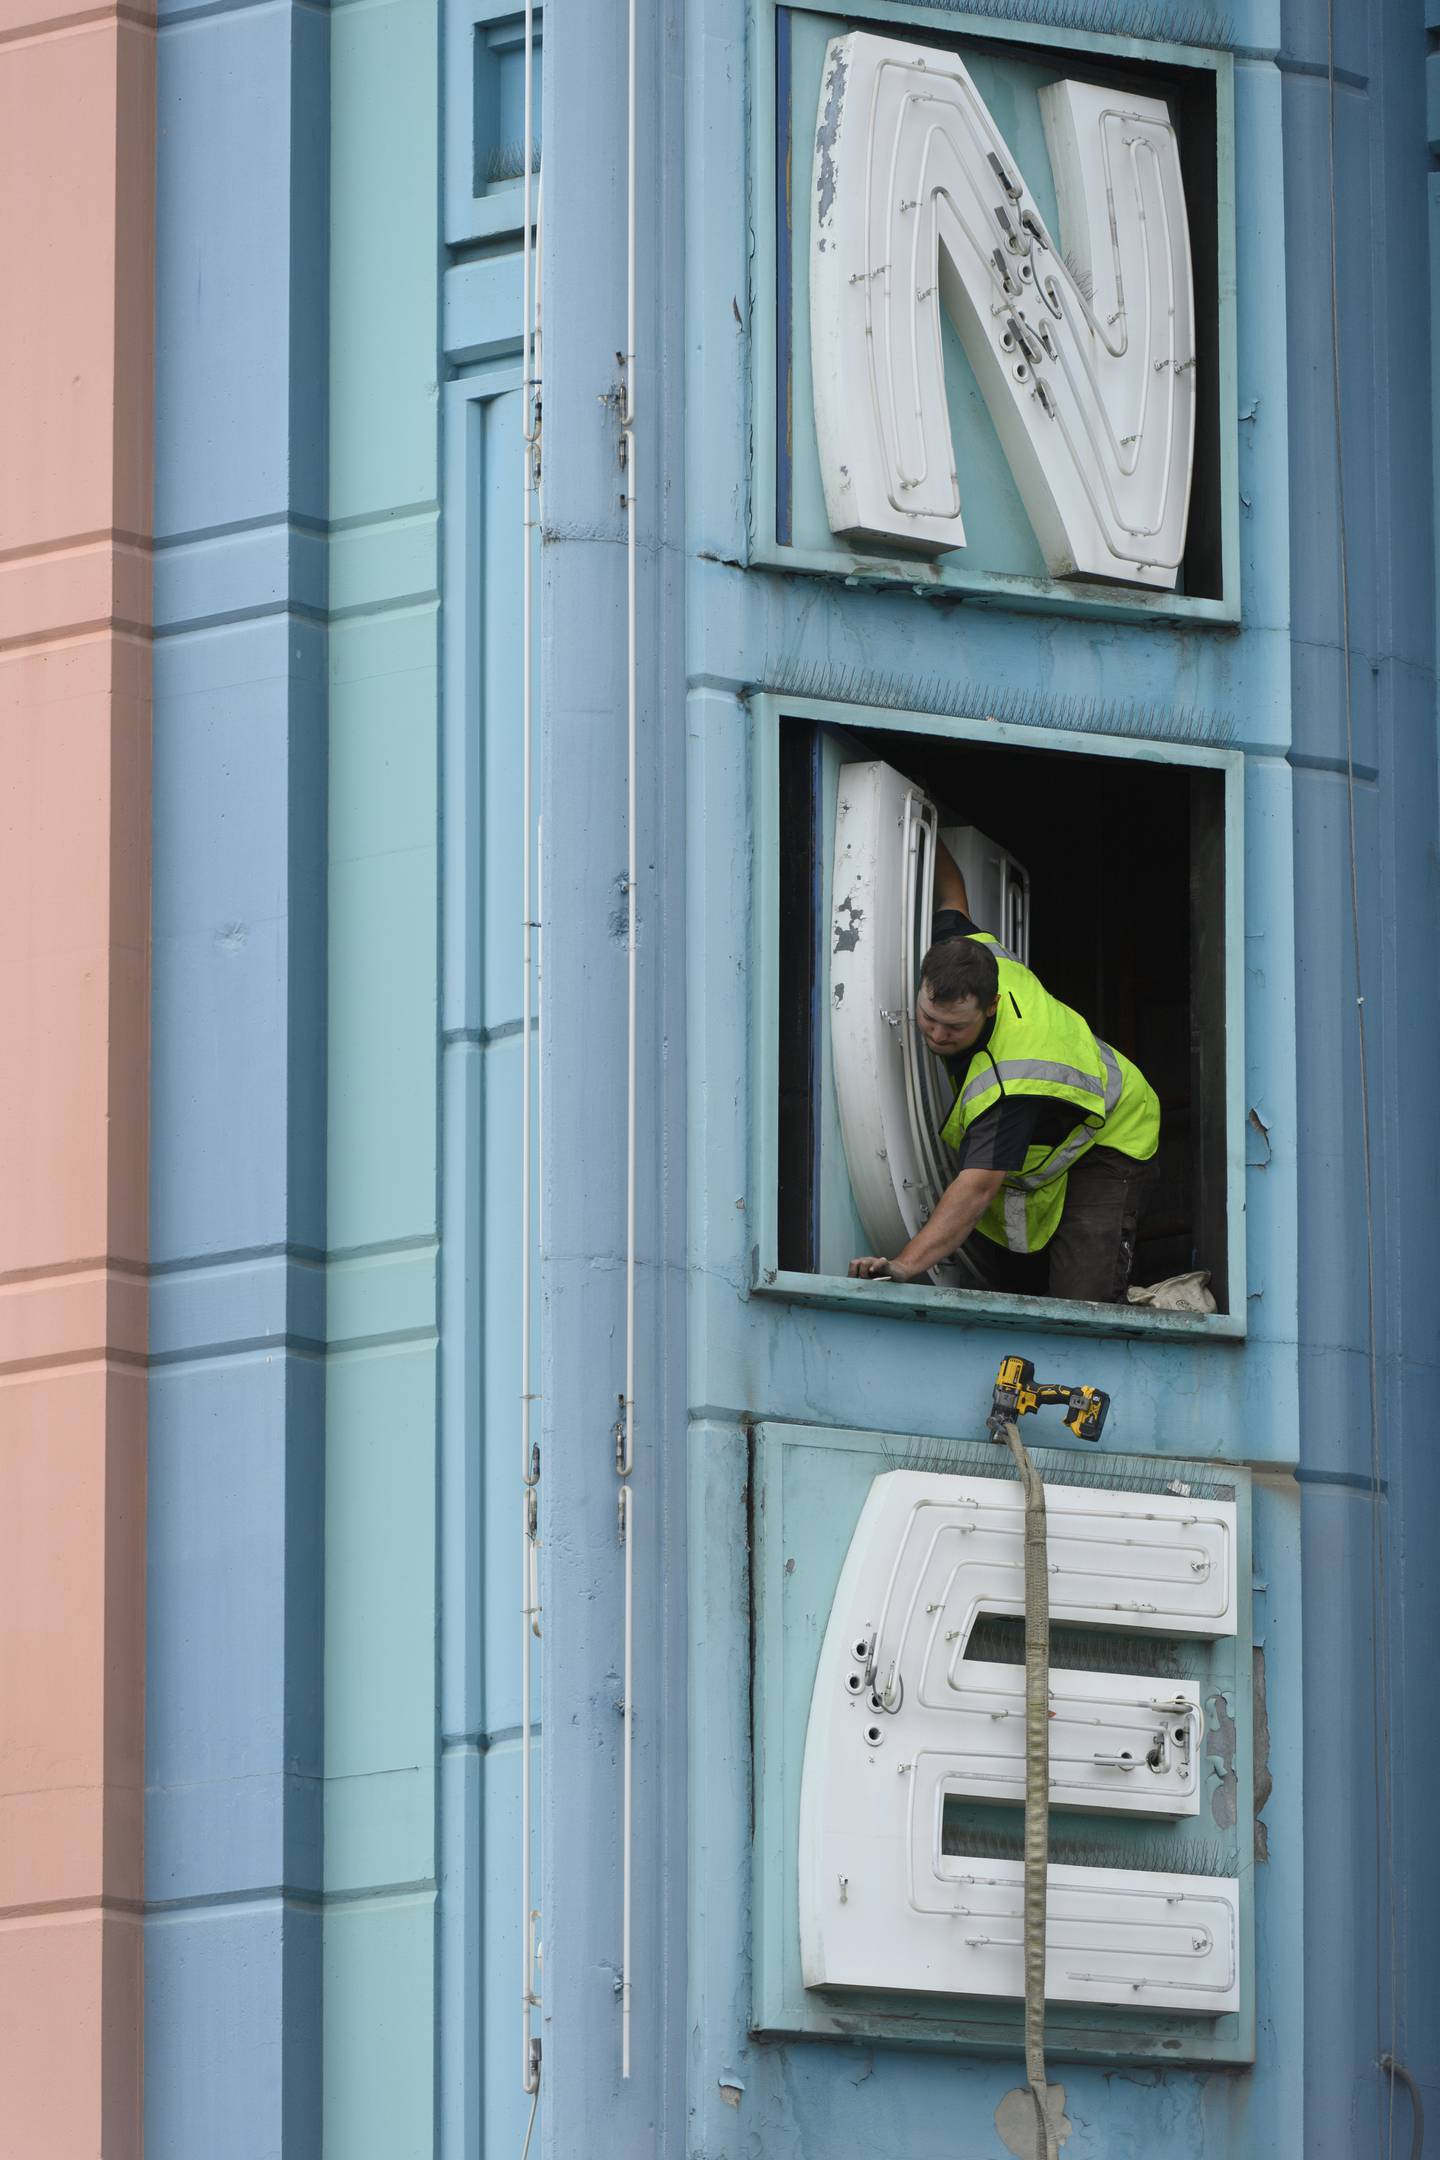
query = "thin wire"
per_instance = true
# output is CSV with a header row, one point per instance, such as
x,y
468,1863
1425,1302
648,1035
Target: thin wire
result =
x,y
1395,2070
1379,1598
625,1444
627,1803
529,1466
627,1458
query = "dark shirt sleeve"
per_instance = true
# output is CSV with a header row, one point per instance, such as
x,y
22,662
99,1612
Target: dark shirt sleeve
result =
x,y
998,1139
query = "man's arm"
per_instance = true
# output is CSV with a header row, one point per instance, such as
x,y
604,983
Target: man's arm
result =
x,y
961,1206
949,881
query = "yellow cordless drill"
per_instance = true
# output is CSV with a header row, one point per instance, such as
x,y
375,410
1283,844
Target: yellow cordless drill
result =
x,y
1017,1392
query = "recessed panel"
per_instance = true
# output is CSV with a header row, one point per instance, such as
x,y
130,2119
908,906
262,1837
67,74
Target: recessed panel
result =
x,y
907,1862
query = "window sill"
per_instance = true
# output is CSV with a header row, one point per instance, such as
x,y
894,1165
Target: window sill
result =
x,y
923,1301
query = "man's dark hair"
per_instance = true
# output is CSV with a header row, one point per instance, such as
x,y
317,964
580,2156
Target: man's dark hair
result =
x,y
956,968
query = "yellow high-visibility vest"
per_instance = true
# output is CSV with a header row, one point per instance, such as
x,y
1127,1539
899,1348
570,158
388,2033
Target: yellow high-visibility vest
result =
x,y
1040,1047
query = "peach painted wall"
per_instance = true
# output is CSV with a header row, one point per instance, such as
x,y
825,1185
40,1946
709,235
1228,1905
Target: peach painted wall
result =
x,y
77,156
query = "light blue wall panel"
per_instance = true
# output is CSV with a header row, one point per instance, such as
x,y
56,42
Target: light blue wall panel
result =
x,y
482,2105
234,1800
381,1706
220,2077
379,1988
1370,1918
586,2102
237,1058
384,142
240,300
233,1843
379,1617
383,940
498,1671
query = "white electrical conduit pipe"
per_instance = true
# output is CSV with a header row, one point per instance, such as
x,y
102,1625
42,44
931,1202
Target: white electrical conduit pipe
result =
x,y
625,1437
529,1456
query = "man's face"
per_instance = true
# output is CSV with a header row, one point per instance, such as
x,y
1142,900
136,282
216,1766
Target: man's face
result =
x,y
950,1029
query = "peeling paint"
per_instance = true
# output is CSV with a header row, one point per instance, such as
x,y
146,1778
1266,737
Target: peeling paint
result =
x,y
825,135
1257,1125
730,2092
1220,1748
1015,2121
847,938
619,922
1264,1782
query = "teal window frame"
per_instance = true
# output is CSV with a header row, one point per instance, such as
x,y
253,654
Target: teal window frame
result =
x,y
808,1484
924,1300
947,576
479,215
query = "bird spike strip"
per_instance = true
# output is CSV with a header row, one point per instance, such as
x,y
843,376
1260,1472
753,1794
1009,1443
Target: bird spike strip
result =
x,y
1149,20
999,1639
1064,1466
821,680
1154,1852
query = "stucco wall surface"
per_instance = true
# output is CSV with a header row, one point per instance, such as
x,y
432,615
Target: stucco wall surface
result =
x,y
77,176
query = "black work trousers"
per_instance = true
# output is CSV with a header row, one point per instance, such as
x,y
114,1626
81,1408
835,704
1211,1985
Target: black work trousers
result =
x,y
1092,1251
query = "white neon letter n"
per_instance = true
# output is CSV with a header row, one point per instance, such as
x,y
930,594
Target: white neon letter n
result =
x,y
1087,365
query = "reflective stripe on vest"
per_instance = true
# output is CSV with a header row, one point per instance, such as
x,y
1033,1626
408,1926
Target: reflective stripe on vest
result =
x,y
1054,1165
1069,1076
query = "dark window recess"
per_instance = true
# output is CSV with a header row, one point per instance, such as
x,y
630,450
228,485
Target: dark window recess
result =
x,y
1127,913
801,978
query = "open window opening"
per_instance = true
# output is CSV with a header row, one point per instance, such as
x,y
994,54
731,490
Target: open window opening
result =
x,y
1106,874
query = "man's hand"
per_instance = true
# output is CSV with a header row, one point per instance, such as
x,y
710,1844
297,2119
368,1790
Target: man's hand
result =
x,y
871,1268
961,1205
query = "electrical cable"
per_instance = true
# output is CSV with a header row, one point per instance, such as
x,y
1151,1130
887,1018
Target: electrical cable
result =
x,y
1037,1778
1385,1902
530,2126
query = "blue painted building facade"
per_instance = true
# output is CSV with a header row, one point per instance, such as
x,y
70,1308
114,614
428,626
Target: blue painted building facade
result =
x,y
333,1786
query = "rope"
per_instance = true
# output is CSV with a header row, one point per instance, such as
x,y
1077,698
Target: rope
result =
x,y
1037,1780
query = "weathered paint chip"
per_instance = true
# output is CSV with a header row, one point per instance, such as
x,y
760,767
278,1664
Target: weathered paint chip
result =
x,y
825,136
847,935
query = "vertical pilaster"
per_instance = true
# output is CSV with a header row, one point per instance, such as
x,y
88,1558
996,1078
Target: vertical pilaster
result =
x,y
236,1501
586,804
77,146
381,1738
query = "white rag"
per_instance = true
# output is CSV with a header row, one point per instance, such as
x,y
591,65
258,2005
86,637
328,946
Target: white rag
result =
x,y
1178,1293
